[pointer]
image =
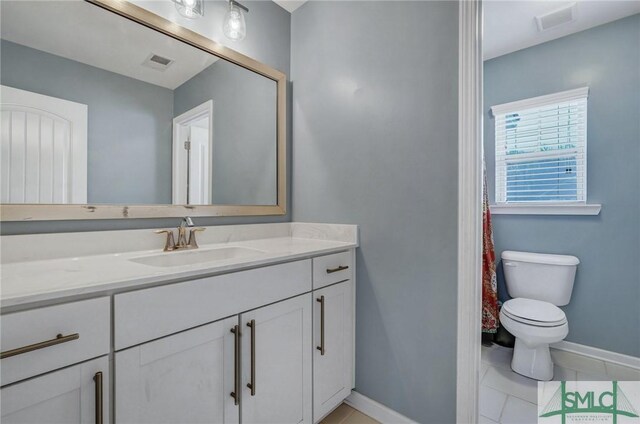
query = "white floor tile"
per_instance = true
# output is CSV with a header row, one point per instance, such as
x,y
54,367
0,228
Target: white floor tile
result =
x,y
484,349
518,411
563,374
485,420
483,370
501,389
621,373
491,402
507,381
582,376
497,356
577,362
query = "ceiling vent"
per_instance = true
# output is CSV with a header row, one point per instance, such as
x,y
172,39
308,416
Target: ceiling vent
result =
x,y
557,17
157,62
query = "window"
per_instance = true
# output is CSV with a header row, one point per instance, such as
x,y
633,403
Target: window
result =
x,y
541,149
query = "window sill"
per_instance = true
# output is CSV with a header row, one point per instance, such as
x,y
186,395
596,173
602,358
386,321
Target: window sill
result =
x,y
589,209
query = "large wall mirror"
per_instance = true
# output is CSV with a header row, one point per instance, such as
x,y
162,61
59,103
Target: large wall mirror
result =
x,y
110,111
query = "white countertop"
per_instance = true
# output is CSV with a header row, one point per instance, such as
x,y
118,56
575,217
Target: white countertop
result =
x,y
30,281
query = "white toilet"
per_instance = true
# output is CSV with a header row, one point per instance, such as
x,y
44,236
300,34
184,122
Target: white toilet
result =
x,y
538,284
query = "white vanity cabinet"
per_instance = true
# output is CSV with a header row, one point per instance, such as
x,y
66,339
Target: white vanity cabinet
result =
x,y
192,377
272,344
148,314
333,347
333,331
40,340
331,269
276,363
36,346
77,394
186,377
177,359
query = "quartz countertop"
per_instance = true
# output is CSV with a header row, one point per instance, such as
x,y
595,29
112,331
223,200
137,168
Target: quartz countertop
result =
x,y
50,279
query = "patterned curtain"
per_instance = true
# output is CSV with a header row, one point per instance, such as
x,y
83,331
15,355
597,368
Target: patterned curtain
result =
x,y
489,283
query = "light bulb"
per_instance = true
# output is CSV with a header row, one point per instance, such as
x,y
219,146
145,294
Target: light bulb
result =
x,y
190,8
234,26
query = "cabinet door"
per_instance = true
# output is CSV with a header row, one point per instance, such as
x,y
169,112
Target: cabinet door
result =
x,y
183,378
78,394
333,350
276,362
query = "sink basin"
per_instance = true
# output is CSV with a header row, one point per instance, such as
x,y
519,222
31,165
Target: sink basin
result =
x,y
190,257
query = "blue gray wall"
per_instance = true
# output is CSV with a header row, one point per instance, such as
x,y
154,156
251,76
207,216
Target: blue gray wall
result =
x,y
604,310
268,41
128,120
244,131
375,144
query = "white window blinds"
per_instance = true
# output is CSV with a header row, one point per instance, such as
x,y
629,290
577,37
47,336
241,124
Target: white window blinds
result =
x,y
541,149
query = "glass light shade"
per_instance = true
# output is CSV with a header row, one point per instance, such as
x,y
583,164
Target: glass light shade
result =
x,y
234,26
190,8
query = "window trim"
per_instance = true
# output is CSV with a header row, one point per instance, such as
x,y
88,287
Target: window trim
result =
x,y
579,207
562,96
546,209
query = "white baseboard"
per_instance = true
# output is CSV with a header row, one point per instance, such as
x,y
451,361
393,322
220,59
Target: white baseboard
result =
x,y
376,410
594,352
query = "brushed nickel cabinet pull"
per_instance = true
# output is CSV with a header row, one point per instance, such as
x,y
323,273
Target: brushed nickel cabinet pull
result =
x,y
321,347
340,268
252,385
236,365
24,349
97,378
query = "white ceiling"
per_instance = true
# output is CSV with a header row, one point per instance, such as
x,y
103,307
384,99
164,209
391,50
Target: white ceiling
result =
x,y
88,34
510,25
121,46
290,5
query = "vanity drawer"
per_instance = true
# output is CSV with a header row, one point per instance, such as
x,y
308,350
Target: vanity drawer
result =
x,y
331,269
31,345
148,314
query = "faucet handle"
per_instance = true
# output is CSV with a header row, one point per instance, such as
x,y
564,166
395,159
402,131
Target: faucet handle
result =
x,y
170,243
192,237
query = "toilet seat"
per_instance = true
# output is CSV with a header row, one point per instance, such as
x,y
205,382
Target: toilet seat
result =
x,y
534,312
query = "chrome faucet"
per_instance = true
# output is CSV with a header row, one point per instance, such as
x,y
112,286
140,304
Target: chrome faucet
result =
x,y
183,242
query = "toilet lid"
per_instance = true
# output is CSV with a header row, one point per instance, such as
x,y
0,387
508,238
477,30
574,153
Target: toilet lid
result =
x,y
535,312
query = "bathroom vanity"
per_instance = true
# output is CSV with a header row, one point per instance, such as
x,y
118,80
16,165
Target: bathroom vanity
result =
x,y
256,325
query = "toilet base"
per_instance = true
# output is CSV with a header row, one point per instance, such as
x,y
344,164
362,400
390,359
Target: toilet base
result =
x,y
533,362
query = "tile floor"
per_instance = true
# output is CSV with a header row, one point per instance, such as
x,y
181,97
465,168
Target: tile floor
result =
x,y
509,398
344,414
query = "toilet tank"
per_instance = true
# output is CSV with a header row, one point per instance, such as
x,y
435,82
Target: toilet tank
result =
x,y
540,276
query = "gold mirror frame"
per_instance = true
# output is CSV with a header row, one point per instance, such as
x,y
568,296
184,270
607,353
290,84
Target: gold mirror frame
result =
x,y
47,212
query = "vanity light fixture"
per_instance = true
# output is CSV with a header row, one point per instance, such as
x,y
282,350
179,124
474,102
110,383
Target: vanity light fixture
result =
x,y
234,26
190,8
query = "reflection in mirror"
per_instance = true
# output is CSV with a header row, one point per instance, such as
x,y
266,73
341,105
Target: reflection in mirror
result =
x,y
98,109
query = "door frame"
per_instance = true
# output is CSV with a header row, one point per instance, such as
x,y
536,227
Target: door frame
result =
x,y
469,210
178,160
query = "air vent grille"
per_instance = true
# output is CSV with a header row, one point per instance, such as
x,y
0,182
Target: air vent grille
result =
x,y
557,17
157,62
161,60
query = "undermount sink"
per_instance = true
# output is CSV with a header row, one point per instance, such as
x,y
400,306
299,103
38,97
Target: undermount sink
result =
x,y
190,257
